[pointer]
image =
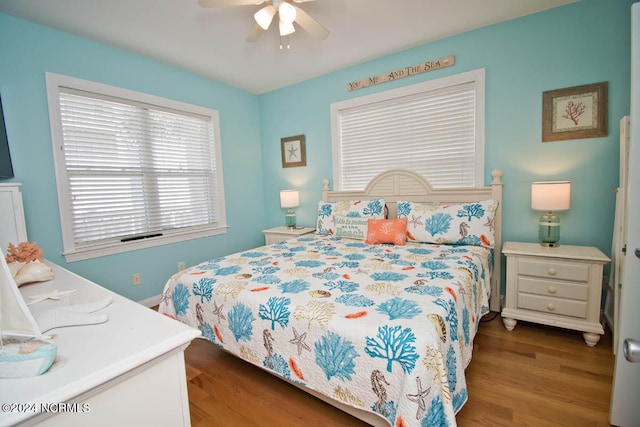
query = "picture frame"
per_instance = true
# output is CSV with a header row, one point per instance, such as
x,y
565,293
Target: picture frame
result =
x,y
575,112
293,151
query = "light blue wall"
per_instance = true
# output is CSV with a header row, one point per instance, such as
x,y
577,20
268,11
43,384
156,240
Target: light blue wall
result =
x,y
27,51
582,43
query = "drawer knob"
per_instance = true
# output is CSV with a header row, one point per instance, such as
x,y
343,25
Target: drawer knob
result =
x,y
552,289
551,306
552,271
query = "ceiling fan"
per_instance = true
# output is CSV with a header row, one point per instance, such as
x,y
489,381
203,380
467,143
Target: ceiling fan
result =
x,y
287,13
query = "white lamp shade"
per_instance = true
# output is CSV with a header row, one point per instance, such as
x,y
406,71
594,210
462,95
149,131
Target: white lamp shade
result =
x,y
287,13
550,195
264,16
289,199
286,28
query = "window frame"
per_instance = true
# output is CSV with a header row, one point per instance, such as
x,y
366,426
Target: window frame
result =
x,y
474,76
54,82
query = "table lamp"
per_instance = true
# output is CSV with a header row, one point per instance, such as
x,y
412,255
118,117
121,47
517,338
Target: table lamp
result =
x,y
550,196
290,199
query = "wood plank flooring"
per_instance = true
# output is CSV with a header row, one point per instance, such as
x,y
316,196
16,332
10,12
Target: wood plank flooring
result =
x,y
533,376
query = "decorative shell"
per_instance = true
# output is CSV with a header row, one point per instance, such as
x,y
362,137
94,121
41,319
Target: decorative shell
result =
x,y
320,294
439,325
14,267
34,271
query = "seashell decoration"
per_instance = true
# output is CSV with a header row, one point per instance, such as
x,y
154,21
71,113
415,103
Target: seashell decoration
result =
x,y
320,293
15,266
439,324
34,271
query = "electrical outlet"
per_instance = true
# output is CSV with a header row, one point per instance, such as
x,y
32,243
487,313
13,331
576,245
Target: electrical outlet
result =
x,y
181,266
136,279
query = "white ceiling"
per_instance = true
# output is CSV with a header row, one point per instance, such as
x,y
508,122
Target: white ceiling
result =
x,y
211,42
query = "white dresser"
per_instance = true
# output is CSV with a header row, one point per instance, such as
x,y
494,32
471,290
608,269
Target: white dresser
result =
x,y
128,371
558,286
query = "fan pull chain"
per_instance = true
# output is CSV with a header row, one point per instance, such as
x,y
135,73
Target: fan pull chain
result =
x,y
288,46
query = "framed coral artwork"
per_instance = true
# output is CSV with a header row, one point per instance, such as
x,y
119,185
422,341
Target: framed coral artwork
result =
x,y
575,112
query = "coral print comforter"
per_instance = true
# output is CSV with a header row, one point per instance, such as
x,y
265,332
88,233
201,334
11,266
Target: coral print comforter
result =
x,y
383,328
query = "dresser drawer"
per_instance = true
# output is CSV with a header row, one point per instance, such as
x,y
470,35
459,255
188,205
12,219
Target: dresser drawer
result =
x,y
561,270
559,306
553,288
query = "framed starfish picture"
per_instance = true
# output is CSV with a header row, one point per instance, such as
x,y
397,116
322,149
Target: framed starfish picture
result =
x,y
293,151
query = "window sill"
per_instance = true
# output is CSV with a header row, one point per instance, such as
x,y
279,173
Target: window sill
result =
x,y
121,247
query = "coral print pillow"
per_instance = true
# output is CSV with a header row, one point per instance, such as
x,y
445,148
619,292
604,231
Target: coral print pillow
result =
x,y
454,224
387,231
326,223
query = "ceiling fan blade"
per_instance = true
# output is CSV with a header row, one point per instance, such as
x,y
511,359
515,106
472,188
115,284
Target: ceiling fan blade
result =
x,y
255,33
310,25
223,3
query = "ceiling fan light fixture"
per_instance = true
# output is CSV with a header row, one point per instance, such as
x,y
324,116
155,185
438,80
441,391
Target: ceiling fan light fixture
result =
x,y
287,12
264,16
286,28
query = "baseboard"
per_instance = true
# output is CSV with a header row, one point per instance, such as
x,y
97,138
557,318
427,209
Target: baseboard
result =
x,y
151,301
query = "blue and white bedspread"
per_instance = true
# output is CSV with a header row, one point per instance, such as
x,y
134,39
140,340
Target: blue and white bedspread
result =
x,y
383,328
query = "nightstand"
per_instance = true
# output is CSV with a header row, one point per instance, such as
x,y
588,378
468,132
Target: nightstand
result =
x,y
278,234
558,286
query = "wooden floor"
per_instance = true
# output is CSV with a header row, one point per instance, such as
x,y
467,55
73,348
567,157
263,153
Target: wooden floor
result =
x,y
533,376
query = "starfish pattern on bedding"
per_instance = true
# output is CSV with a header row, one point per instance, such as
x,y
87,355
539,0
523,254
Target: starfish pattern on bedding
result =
x,y
217,311
419,399
415,221
490,223
298,340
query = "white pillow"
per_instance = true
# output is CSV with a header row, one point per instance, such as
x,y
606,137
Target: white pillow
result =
x,y
454,224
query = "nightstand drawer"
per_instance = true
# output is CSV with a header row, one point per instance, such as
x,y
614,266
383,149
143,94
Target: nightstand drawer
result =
x,y
553,288
560,270
552,305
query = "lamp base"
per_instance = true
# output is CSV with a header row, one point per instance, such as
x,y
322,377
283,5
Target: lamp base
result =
x,y
290,219
549,230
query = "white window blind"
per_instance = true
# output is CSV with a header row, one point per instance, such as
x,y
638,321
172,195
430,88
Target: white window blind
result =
x,y
434,128
133,172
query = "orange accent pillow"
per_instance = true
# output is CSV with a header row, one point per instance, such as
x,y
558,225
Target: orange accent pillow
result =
x,y
387,231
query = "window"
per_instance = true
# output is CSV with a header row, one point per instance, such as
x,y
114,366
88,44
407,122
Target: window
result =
x,y
132,170
435,128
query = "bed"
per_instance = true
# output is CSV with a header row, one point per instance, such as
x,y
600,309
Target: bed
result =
x,y
383,331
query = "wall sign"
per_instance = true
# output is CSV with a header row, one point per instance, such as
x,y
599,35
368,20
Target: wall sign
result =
x,y
401,73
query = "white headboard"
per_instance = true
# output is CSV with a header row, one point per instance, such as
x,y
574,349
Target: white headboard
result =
x,y
405,185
